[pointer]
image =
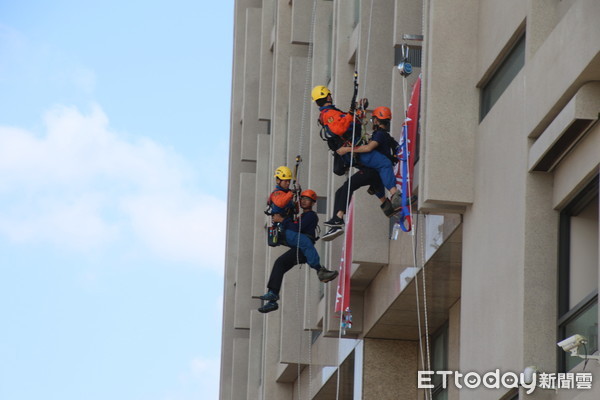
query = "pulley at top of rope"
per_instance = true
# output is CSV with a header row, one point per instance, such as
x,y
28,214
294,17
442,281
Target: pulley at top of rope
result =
x,y
405,67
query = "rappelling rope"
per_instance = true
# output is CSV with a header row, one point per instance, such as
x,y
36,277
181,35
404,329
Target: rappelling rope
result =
x,y
366,74
423,241
425,361
337,390
414,231
421,351
305,103
263,358
349,262
425,300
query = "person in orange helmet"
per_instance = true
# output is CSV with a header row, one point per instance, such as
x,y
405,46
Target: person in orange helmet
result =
x,y
378,154
300,236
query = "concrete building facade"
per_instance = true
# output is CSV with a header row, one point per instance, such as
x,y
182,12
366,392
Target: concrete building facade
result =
x,y
503,259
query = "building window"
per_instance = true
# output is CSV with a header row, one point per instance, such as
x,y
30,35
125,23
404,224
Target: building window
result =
x,y
578,272
502,77
356,13
439,362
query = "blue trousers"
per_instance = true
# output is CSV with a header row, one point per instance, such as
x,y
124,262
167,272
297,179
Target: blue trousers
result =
x,y
382,164
295,239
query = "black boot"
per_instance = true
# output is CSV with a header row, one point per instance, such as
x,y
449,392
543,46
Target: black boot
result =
x,y
270,306
396,200
332,233
387,208
326,275
269,296
335,222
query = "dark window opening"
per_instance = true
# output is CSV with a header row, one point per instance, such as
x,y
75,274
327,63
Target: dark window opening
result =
x,y
502,77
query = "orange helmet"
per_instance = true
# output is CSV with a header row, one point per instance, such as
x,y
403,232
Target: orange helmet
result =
x,y
382,112
311,194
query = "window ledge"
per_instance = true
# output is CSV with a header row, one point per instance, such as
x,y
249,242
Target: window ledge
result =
x,y
567,128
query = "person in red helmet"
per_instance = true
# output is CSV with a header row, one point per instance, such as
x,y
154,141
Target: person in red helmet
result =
x,y
339,128
300,236
379,153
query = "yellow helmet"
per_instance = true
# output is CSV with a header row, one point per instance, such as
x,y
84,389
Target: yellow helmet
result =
x,y
283,173
320,92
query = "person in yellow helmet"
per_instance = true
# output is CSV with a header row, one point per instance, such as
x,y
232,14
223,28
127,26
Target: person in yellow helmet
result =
x,y
377,154
337,125
339,128
300,236
281,199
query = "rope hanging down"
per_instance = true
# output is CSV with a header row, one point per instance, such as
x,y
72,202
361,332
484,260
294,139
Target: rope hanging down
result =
x,y
308,79
346,313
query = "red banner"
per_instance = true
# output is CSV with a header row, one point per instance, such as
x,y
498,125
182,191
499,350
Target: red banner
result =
x,y
412,115
342,297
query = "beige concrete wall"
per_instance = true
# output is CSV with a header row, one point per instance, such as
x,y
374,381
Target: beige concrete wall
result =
x,y
454,345
243,276
389,369
263,177
578,167
251,125
451,101
574,59
499,23
265,89
375,52
510,253
493,250
239,379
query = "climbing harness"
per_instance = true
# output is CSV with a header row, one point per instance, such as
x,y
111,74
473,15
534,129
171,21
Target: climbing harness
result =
x,y
275,235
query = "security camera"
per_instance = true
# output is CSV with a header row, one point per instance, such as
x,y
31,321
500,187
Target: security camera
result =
x,y
572,343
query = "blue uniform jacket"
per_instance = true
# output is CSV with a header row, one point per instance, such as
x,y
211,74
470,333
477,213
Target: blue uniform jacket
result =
x,y
309,221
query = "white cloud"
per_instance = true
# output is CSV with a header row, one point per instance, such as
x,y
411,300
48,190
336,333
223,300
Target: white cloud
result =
x,y
80,185
180,226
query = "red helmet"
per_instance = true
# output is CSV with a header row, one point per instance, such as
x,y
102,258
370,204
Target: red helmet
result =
x,y
311,194
382,112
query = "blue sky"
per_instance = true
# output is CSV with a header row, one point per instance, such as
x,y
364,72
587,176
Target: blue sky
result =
x,y
114,127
